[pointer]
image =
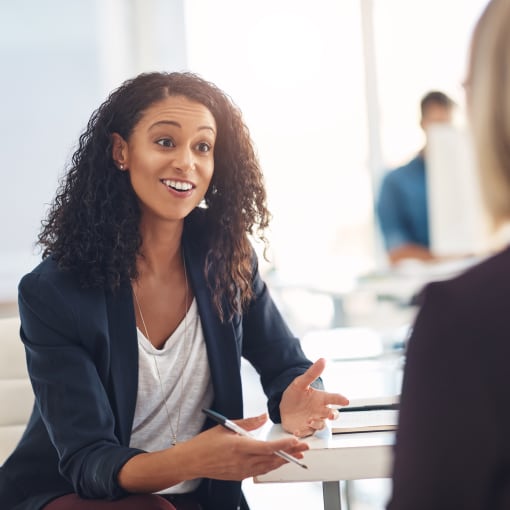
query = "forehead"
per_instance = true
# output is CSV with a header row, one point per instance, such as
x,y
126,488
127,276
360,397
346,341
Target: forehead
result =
x,y
179,109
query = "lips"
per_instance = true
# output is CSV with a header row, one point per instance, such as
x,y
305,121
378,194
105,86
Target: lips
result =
x,y
179,186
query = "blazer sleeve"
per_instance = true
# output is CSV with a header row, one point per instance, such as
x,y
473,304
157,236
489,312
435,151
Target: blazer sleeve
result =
x,y
447,442
270,347
70,393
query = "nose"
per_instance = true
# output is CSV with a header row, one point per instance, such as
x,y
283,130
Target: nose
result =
x,y
184,160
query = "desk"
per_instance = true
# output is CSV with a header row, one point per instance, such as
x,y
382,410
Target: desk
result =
x,y
403,282
335,458
350,456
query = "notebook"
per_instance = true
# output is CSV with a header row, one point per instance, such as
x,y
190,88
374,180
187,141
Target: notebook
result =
x,y
367,415
365,421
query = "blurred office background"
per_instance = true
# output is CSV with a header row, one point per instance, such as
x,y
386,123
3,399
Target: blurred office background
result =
x,y
330,91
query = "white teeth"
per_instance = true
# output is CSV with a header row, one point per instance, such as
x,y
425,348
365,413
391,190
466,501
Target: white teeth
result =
x,y
178,185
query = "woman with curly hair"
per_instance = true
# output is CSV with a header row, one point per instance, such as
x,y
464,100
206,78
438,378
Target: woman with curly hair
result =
x,y
147,296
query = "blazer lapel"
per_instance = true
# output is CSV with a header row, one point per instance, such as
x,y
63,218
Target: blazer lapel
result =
x,y
124,359
222,350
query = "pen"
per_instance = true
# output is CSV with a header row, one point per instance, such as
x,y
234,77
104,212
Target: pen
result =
x,y
225,422
370,407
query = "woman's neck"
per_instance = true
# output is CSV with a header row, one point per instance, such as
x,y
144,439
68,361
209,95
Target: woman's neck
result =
x,y
160,250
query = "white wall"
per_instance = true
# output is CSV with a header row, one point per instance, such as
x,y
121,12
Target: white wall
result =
x,y
295,68
59,59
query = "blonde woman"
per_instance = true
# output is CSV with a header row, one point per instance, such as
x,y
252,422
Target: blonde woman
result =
x,y
453,442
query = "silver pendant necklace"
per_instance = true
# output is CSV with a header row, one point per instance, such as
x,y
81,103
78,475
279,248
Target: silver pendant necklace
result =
x,y
175,431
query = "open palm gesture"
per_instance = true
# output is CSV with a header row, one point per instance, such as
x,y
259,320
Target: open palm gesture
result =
x,y
304,409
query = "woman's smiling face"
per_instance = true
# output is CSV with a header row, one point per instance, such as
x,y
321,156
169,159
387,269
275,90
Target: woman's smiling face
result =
x,y
170,157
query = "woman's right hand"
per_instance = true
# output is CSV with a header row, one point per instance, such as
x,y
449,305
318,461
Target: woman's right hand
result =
x,y
224,455
216,453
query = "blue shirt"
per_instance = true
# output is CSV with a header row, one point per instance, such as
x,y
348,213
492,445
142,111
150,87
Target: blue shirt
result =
x,y
402,206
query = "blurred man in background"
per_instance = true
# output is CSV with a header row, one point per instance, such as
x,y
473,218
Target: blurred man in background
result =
x,y
402,201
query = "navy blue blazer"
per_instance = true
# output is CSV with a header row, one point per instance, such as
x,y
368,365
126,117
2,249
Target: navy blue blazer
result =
x,y
82,358
453,439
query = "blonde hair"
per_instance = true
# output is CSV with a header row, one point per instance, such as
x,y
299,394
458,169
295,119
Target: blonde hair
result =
x,y
488,93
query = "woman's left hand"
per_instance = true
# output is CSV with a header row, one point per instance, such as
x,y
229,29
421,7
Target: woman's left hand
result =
x,y
304,409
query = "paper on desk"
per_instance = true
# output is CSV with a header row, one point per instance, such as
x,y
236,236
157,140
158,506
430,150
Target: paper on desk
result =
x,y
370,401
365,421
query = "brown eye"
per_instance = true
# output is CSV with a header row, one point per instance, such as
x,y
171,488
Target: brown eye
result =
x,y
165,142
204,147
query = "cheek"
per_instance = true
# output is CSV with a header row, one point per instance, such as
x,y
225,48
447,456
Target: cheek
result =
x,y
146,161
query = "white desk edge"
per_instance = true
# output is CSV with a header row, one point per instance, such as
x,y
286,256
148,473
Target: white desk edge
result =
x,y
335,457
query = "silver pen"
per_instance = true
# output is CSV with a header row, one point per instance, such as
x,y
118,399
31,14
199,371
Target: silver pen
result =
x,y
225,422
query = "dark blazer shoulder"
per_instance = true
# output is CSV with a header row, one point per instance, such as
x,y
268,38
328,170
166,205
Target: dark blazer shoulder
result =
x,y
484,279
49,271
56,297
455,389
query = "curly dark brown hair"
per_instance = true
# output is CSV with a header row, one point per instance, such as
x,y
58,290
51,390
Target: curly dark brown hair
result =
x,y
92,227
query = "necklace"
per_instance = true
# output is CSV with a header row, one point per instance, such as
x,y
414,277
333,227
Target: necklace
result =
x,y
175,431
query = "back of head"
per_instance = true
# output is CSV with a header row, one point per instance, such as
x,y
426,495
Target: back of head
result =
x,y
435,98
436,108
488,100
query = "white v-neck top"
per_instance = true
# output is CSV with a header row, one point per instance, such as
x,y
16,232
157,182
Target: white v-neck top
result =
x,y
184,370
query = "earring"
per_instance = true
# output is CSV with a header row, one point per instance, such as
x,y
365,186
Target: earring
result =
x,y
121,166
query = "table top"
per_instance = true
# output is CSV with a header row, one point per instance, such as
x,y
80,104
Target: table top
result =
x,y
334,457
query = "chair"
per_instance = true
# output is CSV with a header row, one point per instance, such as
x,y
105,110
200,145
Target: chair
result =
x,y
16,396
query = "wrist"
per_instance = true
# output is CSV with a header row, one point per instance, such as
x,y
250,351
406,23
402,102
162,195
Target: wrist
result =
x,y
152,472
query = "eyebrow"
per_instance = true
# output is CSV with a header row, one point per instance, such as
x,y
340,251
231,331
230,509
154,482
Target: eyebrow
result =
x,y
175,123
